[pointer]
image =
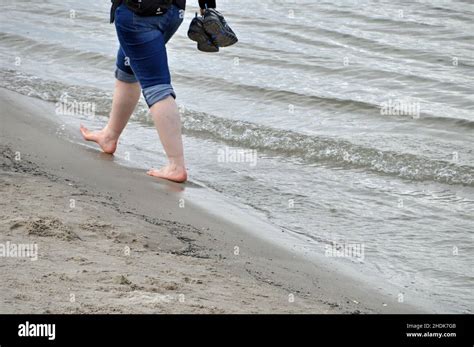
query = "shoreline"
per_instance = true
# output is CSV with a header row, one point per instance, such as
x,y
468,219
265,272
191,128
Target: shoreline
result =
x,y
117,241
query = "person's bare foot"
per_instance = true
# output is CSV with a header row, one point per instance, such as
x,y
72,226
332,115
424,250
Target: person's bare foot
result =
x,y
170,172
104,138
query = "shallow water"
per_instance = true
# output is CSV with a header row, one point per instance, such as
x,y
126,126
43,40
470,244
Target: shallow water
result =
x,y
309,88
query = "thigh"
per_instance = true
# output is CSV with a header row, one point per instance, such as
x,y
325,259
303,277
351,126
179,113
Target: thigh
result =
x,y
145,47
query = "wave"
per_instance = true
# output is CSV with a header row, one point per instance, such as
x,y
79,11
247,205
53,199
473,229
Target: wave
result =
x,y
325,151
332,104
319,150
56,51
67,55
51,91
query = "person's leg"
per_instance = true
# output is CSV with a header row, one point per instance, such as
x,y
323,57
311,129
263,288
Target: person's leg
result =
x,y
125,99
167,120
168,124
143,40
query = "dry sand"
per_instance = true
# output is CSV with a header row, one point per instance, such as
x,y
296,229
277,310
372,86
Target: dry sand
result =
x,y
112,240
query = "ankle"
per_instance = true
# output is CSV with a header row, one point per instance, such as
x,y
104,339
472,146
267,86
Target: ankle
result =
x,y
176,162
110,133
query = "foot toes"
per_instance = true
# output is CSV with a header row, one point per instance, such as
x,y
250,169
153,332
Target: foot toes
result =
x,y
89,136
154,172
84,131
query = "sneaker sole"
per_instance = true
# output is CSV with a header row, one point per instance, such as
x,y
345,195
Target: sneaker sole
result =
x,y
208,48
221,36
203,41
199,37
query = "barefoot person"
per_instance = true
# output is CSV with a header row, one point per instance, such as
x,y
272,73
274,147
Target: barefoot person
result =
x,y
142,65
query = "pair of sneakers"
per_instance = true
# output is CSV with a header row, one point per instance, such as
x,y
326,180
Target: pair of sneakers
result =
x,y
211,31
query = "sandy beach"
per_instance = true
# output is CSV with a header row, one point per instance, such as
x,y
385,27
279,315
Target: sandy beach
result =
x,y
112,240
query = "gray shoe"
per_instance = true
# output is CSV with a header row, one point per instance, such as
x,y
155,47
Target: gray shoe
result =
x,y
217,27
197,33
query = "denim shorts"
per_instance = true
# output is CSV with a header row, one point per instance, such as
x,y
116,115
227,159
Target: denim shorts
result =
x,y
142,54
